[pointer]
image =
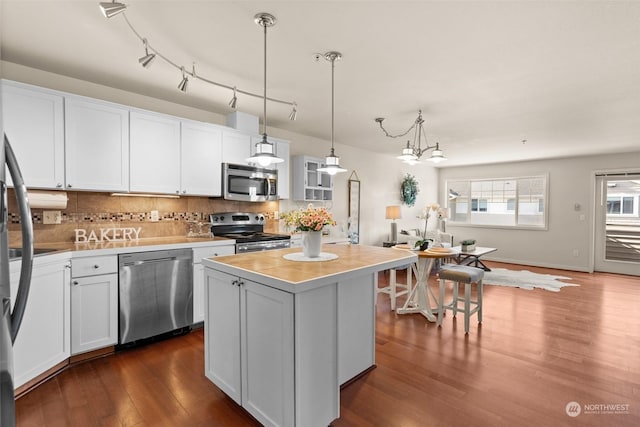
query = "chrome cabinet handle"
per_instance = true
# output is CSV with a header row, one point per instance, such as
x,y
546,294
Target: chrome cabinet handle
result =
x,y
69,186
75,282
96,266
59,185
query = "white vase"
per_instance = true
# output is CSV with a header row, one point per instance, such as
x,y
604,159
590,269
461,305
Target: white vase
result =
x,y
311,243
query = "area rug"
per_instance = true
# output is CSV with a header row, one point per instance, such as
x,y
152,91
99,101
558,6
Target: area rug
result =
x,y
525,279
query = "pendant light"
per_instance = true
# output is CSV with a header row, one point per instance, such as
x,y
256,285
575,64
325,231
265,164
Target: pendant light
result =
x,y
264,149
332,162
111,9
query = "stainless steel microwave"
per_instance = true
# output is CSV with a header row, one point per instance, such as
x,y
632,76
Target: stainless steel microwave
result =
x,y
249,183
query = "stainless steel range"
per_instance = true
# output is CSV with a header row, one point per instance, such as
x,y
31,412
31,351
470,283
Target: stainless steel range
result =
x,y
248,231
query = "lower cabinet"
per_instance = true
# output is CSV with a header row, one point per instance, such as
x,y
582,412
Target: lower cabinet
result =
x,y
198,275
43,339
94,303
249,346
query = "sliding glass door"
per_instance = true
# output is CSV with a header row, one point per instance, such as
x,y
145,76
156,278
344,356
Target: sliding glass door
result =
x,y
617,223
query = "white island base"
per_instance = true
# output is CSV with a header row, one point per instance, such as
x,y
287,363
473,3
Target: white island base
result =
x,y
282,336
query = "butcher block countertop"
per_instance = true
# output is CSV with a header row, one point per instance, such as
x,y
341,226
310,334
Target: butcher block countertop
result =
x,y
271,269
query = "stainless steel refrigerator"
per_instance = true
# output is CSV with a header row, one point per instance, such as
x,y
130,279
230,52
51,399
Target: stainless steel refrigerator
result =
x,y
11,318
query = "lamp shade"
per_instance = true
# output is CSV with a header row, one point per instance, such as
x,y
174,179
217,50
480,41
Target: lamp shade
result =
x,y
393,212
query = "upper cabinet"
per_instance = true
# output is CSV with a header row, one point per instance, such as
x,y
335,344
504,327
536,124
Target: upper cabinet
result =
x,y
201,159
96,145
309,183
34,123
236,147
155,153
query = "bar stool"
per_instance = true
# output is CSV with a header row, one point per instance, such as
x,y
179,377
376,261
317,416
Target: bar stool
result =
x,y
391,290
461,274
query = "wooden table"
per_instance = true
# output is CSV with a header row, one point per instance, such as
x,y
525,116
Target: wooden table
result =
x,y
473,257
418,299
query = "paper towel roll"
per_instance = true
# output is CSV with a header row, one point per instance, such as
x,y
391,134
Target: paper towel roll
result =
x,y
48,199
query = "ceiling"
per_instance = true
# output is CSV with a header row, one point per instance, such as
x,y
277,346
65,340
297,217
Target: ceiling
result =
x,y
496,80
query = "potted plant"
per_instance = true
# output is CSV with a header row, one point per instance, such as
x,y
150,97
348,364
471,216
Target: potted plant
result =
x,y
422,244
468,245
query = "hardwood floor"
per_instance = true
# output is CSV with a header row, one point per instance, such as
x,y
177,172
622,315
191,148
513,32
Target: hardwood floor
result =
x,y
535,352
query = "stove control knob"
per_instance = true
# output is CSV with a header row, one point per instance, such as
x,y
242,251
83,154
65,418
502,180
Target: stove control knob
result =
x,y
222,218
214,218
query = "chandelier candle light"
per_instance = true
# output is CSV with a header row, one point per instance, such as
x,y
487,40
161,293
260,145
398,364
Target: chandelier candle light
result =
x,y
412,152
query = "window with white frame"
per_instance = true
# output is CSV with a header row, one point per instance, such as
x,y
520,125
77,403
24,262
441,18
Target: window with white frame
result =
x,y
504,202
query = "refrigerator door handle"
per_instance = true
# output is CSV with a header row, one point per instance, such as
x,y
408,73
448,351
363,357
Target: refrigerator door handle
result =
x,y
27,239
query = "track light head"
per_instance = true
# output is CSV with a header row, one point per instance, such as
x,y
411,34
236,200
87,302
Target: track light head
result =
x,y
184,82
234,101
148,58
294,112
110,9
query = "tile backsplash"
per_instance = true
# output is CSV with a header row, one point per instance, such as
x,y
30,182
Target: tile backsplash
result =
x,y
90,210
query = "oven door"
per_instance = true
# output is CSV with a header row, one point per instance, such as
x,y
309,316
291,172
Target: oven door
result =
x,y
262,246
250,184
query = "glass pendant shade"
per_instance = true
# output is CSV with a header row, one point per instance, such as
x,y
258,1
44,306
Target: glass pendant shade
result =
x,y
437,155
332,165
264,154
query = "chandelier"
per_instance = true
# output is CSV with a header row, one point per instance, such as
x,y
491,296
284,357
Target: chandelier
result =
x,y
413,151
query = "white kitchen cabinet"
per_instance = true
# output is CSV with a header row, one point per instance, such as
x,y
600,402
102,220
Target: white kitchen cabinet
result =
x,y
94,303
236,147
154,153
309,184
198,275
201,159
249,343
43,340
96,145
33,121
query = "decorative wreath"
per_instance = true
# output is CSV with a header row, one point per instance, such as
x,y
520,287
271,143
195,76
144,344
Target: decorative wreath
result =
x,y
409,190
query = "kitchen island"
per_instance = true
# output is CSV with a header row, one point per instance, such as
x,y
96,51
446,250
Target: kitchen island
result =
x,y
282,336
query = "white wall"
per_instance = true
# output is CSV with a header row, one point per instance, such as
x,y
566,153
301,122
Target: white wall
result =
x,y
380,175
570,182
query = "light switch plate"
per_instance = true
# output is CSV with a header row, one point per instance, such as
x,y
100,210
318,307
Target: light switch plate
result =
x,y
51,217
155,216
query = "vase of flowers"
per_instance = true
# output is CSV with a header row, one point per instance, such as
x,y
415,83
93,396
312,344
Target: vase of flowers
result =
x,y
310,222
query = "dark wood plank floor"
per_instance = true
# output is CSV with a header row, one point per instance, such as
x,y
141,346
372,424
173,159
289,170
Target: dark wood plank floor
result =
x,y
535,352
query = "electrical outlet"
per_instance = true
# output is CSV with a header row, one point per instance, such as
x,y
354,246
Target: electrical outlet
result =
x,y
51,217
576,253
155,217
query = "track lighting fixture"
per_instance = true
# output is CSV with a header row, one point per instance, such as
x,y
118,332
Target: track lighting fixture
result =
x,y
412,152
113,8
332,162
234,101
264,149
184,82
148,58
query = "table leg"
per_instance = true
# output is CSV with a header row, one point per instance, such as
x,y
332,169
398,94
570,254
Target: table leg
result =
x,y
418,299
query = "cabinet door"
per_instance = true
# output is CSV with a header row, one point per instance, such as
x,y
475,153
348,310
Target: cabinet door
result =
x,y
198,275
96,145
282,151
236,147
222,332
34,123
43,339
201,159
267,352
94,312
155,153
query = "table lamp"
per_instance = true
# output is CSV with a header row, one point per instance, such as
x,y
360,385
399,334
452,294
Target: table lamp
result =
x,y
393,213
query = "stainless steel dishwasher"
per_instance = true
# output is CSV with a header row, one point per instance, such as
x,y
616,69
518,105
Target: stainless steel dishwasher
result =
x,y
156,293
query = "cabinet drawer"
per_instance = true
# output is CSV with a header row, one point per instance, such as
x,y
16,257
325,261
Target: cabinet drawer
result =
x,y
92,266
211,251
